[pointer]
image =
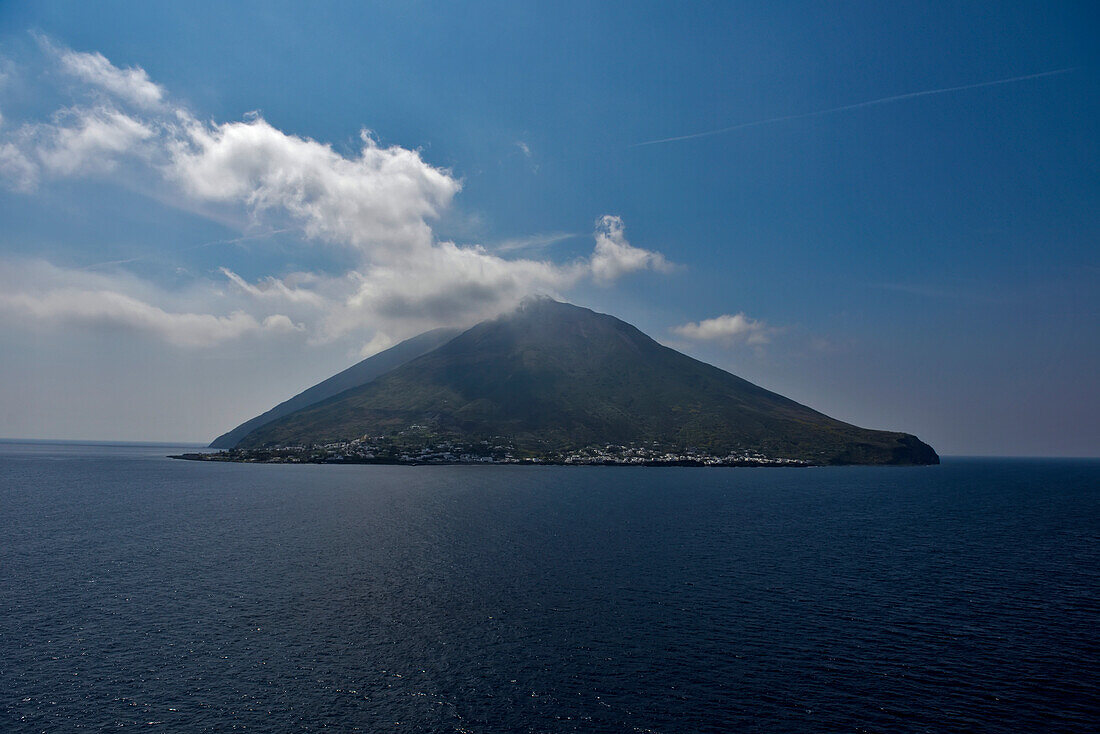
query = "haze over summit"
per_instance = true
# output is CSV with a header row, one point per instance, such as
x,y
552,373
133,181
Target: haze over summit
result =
x,y
197,228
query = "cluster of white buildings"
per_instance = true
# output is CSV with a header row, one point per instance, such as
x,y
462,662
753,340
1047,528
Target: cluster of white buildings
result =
x,y
501,451
642,455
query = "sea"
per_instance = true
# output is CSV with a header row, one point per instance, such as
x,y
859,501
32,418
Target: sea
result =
x,y
141,592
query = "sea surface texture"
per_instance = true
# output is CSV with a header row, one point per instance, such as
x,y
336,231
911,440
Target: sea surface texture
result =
x,y
138,592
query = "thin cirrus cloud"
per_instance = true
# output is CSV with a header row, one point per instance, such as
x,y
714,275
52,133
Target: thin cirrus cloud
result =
x,y
533,242
854,106
377,204
727,329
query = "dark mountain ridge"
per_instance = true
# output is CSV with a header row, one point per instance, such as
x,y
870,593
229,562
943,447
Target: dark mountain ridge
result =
x,y
553,377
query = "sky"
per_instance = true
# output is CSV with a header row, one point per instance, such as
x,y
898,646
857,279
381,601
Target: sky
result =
x,y
889,212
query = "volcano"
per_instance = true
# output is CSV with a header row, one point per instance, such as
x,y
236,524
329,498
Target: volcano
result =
x,y
552,377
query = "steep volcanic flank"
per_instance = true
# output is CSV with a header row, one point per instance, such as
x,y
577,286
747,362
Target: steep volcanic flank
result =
x,y
557,377
358,374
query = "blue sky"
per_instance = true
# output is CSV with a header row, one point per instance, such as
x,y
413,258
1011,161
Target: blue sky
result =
x,y
196,225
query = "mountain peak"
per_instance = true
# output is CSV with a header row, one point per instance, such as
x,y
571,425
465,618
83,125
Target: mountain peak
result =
x,y
535,300
543,304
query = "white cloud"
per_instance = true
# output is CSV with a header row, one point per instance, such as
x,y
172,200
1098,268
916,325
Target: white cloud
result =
x,y
37,294
378,204
91,141
77,141
726,328
132,85
377,343
614,256
111,309
18,172
377,201
447,285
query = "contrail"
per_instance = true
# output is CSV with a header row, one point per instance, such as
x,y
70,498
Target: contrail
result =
x,y
857,105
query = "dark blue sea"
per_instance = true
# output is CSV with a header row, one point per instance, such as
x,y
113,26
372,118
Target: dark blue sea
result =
x,y
142,592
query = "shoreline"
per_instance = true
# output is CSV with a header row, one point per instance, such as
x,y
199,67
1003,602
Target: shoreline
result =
x,y
222,458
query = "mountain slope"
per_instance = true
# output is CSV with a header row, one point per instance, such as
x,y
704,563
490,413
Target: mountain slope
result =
x,y
354,376
552,377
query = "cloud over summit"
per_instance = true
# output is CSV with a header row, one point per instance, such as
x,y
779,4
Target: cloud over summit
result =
x,y
378,204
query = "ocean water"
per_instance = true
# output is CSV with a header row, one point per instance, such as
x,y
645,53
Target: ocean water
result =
x,y
142,592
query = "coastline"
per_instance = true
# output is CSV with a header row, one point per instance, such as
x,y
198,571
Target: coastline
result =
x,y
223,457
